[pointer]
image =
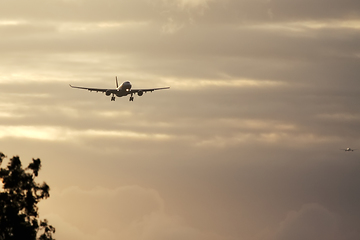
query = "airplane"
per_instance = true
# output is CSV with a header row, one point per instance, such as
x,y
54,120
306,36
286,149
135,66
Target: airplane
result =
x,y
348,149
123,90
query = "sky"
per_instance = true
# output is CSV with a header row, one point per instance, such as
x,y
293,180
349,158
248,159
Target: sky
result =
x,y
245,145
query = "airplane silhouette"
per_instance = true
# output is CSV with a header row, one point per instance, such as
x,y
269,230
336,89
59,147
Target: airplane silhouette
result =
x,y
348,149
123,90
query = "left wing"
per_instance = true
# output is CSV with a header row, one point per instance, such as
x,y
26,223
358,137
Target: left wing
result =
x,y
95,89
147,90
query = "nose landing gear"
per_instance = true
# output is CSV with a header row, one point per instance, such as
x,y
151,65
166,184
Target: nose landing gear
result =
x,y
131,98
113,98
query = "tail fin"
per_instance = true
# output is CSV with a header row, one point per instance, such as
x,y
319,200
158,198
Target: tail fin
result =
x,y
117,83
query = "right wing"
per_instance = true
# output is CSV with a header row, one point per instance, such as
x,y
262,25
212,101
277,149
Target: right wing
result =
x,y
148,89
95,89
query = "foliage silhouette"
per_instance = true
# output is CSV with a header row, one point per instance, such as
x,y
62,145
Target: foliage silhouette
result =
x,y
19,197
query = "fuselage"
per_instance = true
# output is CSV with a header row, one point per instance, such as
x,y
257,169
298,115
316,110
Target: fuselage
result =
x,y
124,89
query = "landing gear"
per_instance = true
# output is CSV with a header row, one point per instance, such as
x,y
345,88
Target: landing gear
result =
x,y
131,98
113,98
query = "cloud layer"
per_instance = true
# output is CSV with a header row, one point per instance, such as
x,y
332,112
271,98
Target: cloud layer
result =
x,y
245,144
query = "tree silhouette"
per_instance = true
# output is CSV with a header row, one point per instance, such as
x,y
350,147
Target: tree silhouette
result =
x,y
18,202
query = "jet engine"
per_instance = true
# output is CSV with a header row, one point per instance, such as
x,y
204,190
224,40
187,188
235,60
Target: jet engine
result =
x,y
108,93
140,93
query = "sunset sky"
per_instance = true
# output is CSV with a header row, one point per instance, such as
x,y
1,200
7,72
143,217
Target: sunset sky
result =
x,y
245,145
